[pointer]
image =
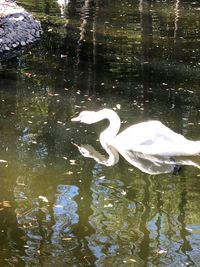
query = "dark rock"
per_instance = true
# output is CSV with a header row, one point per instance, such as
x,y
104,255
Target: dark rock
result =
x,y
17,29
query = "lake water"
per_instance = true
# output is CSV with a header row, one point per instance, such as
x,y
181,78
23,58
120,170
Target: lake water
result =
x,y
59,208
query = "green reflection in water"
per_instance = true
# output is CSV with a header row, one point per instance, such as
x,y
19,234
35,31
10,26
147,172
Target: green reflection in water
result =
x,y
59,208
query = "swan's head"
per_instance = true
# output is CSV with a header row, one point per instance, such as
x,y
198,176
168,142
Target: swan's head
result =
x,y
87,117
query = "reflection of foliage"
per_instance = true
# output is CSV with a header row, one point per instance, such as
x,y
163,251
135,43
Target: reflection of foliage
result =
x,y
117,38
45,7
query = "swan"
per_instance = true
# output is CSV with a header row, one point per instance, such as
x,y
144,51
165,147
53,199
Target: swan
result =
x,y
150,140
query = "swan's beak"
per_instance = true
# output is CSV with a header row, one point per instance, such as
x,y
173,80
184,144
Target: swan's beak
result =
x,y
75,144
76,119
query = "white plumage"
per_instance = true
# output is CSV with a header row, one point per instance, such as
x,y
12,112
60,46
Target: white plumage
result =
x,y
151,137
150,141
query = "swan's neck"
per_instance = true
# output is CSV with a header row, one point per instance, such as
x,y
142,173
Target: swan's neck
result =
x,y
113,155
114,125
109,134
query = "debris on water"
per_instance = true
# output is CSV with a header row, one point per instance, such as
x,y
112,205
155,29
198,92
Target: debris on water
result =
x,y
3,161
162,251
72,162
43,198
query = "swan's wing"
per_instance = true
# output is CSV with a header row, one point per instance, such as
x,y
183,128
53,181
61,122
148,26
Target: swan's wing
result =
x,y
154,138
150,131
164,147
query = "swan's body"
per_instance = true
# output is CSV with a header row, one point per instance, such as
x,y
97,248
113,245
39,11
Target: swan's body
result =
x,y
154,138
151,138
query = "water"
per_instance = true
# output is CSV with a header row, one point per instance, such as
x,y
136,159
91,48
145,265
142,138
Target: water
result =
x,y
56,206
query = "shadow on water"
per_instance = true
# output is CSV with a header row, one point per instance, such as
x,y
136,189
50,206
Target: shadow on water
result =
x,y
57,207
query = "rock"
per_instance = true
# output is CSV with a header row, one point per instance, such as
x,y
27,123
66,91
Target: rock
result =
x,y
17,26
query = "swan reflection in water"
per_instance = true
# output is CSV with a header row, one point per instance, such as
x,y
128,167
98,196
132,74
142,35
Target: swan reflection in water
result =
x,y
150,146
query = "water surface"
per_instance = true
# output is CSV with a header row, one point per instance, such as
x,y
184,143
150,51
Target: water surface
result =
x,y
57,207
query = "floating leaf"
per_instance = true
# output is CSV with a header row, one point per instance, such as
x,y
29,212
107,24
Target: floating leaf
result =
x,y
51,94
72,162
3,161
108,206
7,204
43,198
63,56
162,251
118,106
58,206
69,173
123,193
133,260
67,238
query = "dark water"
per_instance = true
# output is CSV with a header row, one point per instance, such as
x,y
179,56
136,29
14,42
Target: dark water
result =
x,y
57,207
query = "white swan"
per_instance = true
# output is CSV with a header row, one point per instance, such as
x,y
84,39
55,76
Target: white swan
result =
x,y
151,140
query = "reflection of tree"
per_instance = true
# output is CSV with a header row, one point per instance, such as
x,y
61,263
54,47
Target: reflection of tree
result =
x,y
83,229
11,237
46,231
185,246
146,30
146,43
114,220
144,244
177,20
64,211
27,218
8,88
65,216
177,32
87,44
